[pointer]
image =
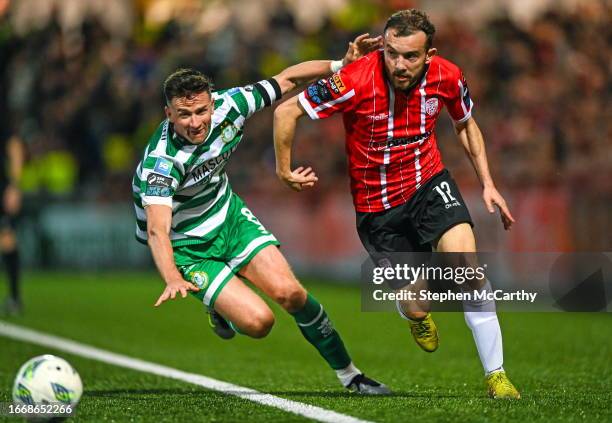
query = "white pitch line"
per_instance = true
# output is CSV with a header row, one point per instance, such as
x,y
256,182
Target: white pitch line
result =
x,y
310,411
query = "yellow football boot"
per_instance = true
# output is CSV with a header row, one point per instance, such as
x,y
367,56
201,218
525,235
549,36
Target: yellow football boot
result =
x,y
499,386
425,333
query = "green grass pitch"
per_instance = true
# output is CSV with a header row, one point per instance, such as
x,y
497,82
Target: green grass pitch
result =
x,y
561,363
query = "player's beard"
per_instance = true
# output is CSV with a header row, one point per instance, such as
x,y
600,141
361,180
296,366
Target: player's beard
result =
x,y
415,81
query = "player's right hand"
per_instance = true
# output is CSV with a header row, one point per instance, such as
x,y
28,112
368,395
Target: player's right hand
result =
x,y
491,198
299,178
172,288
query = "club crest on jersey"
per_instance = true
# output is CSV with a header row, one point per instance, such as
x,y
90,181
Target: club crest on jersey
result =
x,y
228,131
200,279
431,106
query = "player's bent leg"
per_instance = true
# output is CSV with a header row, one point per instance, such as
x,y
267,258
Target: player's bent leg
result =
x,y
244,309
269,271
217,280
457,239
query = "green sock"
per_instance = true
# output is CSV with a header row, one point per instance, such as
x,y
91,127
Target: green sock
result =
x,y
318,330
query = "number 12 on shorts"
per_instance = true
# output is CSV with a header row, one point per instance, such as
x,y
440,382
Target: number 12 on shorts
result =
x,y
446,194
251,218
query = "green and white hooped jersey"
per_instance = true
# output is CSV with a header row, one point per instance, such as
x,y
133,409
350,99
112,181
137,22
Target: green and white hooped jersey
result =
x,y
191,178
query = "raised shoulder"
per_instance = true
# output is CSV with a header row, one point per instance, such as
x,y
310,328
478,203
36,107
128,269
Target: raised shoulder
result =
x,y
453,88
448,69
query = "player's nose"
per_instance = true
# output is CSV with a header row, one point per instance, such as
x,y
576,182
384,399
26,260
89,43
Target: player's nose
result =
x,y
402,64
194,122
399,66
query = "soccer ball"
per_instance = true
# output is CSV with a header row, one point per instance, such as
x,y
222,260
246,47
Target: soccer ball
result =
x,y
47,379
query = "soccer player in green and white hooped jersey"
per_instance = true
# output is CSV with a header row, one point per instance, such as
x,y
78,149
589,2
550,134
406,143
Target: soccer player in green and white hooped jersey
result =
x,y
202,235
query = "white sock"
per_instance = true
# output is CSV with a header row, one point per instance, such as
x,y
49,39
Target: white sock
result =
x,y
488,339
501,369
347,374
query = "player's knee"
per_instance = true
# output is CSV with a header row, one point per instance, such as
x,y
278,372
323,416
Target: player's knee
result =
x,y
290,296
260,324
296,299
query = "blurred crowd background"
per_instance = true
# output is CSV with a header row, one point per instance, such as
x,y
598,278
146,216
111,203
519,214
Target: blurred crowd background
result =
x,y
80,83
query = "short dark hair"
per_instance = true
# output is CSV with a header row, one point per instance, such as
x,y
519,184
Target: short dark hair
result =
x,y
407,22
186,83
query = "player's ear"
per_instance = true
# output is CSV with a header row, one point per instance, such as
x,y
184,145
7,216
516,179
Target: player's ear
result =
x,y
168,112
430,54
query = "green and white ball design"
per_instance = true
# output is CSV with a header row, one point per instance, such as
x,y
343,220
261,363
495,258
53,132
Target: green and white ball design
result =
x,y
47,379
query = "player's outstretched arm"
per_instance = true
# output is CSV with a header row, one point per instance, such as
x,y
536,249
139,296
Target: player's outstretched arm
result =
x,y
295,75
287,114
159,220
285,120
470,136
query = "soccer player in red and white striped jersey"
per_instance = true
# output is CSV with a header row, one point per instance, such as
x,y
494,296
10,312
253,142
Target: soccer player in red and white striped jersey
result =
x,y
405,199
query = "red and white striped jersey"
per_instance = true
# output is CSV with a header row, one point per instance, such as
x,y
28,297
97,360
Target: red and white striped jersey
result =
x,y
390,138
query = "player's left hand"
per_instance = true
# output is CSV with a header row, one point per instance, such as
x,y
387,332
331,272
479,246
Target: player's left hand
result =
x,y
361,46
492,198
299,178
11,200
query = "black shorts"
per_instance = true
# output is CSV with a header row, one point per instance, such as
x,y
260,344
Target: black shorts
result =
x,y
413,226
